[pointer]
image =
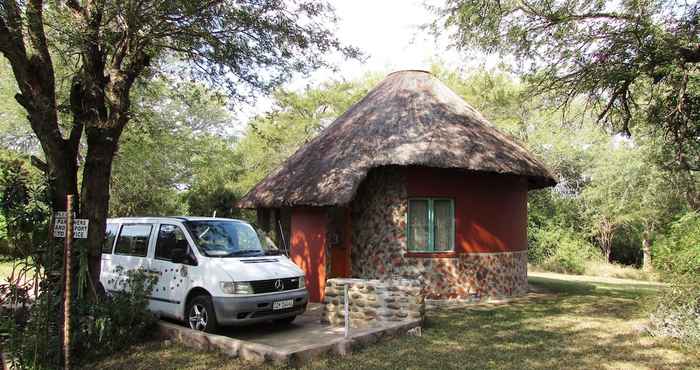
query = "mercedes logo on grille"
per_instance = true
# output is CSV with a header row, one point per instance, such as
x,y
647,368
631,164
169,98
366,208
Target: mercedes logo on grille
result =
x,y
278,284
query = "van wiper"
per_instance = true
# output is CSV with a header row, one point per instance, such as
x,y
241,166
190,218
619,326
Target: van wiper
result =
x,y
246,253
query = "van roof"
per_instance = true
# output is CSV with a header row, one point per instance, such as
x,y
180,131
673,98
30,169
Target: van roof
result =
x,y
170,218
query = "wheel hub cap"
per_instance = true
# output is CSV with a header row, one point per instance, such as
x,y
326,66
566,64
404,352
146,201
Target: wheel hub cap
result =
x,y
198,317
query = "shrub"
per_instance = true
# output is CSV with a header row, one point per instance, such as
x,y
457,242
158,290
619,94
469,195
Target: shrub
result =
x,y
23,206
677,254
543,243
677,313
677,257
560,250
99,328
120,320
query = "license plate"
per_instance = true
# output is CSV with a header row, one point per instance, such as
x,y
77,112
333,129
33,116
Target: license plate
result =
x,y
279,305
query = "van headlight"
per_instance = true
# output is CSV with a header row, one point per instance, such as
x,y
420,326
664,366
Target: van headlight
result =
x,y
230,287
302,282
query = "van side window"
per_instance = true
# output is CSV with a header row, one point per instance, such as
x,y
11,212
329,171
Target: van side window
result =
x,y
170,239
133,240
110,235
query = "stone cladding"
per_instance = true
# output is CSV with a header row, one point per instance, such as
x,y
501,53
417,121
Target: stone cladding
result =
x,y
379,249
373,301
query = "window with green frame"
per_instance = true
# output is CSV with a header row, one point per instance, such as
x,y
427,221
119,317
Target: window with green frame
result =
x,y
430,224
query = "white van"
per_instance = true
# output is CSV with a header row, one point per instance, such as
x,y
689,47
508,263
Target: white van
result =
x,y
211,271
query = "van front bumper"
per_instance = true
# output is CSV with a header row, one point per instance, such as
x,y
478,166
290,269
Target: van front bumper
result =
x,y
256,308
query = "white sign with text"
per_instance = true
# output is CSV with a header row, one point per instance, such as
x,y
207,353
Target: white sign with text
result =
x,y
80,226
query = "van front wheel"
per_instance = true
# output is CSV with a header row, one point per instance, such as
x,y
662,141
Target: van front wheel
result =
x,y
201,315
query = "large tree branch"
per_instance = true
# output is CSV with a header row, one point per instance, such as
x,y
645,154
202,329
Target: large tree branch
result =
x,y
78,112
120,85
41,61
34,75
35,26
12,41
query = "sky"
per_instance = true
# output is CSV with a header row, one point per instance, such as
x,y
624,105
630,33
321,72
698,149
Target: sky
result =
x,y
388,33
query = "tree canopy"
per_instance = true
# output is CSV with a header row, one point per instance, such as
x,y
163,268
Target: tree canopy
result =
x,y
636,61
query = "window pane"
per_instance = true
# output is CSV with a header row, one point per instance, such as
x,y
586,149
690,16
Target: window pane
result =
x,y
442,210
225,238
110,234
418,224
170,239
133,240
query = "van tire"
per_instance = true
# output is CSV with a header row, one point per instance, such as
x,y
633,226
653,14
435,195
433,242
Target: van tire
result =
x,y
285,321
200,314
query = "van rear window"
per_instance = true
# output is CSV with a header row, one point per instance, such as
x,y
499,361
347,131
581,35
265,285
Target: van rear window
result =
x,y
133,240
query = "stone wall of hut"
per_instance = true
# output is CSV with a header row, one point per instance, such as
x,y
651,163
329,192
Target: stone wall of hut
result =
x,y
379,248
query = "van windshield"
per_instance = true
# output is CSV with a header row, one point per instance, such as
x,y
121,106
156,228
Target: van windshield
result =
x,y
219,238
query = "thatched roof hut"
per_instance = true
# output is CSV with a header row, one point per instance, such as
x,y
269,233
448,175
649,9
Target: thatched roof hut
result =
x,y
410,181
410,118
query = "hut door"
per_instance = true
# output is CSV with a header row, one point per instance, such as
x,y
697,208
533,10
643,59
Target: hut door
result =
x,y
338,241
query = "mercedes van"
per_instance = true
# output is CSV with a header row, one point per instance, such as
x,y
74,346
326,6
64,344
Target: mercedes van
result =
x,y
211,271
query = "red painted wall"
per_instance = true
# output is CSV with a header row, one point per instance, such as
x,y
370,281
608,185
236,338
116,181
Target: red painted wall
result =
x,y
340,254
490,209
308,239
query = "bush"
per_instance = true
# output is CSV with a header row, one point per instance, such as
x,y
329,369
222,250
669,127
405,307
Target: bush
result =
x,y
677,257
120,320
560,250
677,313
677,254
99,328
23,205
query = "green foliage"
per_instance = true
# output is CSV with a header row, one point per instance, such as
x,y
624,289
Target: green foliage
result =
x,y
190,122
212,201
614,53
560,250
495,94
119,321
678,253
101,328
677,313
15,132
677,256
24,201
4,244
296,118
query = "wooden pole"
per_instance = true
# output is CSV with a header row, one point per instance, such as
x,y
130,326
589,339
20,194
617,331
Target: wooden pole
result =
x,y
67,286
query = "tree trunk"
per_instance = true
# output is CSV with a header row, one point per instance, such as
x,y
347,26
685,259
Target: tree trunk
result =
x,y
646,251
95,196
605,235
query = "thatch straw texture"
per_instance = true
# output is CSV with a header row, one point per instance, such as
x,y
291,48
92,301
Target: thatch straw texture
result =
x,y
409,119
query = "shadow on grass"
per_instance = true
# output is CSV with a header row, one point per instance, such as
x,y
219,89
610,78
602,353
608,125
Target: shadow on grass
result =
x,y
576,325
579,325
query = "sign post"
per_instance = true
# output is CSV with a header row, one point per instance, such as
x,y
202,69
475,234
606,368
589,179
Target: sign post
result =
x,y
67,278
347,311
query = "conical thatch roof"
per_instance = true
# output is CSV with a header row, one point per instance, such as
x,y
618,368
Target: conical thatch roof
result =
x,y
410,118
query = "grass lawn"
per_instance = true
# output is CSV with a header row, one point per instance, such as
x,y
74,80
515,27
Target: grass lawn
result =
x,y
582,323
6,266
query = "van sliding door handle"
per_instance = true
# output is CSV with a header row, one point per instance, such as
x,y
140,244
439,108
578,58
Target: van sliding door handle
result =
x,y
152,271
